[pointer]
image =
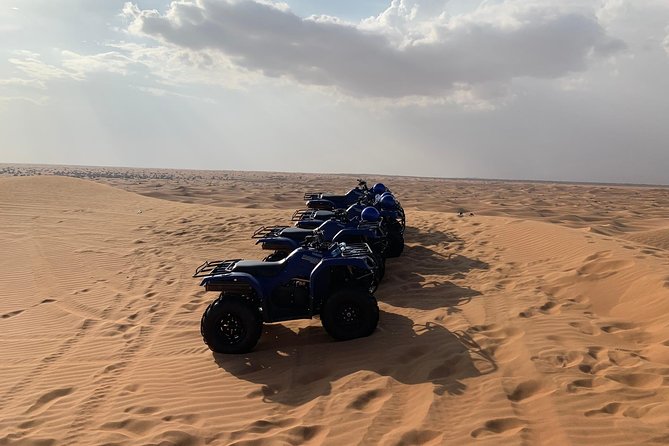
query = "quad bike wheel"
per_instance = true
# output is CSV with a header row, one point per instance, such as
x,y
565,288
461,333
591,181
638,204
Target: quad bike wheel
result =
x,y
381,264
350,313
395,244
230,325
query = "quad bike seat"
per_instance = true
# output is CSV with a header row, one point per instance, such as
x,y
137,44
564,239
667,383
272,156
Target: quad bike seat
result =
x,y
297,234
334,197
323,215
258,268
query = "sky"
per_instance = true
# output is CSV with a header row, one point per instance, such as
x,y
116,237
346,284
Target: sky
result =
x,y
570,90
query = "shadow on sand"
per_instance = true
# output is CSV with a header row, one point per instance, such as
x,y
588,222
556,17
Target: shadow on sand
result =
x,y
297,367
423,278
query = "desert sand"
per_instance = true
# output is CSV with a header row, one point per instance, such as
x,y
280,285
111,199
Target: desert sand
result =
x,y
543,318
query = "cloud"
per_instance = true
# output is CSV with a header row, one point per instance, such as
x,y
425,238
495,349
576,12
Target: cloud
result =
x,y
406,51
31,65
172,65
20,82
158,66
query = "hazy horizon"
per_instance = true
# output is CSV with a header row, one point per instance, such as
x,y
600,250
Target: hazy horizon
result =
x,y
536,90
368,176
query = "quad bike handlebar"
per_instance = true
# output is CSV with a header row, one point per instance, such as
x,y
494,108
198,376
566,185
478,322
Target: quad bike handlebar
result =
x,y
317,241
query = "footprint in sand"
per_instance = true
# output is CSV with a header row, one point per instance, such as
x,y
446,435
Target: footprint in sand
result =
x,y
49,397
11,314
529,390
609,409
637,380
616,327
132,425
588,385
550,307
499,426
599,269
598,255
559,359
419,436
625,358
142,410
370,401
642,411
586,327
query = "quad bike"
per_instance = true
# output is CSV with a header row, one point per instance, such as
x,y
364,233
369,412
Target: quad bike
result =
x,y
360,194
282,240
332,280
319,200
393,221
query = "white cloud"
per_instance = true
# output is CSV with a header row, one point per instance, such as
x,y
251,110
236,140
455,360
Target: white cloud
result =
x,y
31,65
158,65
39,101
160,92
172,65
407,51
80,65
71,65
20,82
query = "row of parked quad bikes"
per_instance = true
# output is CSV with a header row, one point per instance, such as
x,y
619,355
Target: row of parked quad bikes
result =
x,y
329,264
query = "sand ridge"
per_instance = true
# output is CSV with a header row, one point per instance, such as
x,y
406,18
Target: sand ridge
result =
x,y
494,329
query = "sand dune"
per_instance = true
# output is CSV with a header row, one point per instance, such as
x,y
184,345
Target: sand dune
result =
x,y
526,323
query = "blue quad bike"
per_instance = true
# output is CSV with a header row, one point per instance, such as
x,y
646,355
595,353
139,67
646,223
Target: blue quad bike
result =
x,y
392,217
282,240
332,280
360,194
320,200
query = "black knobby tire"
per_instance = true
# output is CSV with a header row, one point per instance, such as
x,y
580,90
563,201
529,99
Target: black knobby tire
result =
x,y
381,266
230,324
350,313
395,244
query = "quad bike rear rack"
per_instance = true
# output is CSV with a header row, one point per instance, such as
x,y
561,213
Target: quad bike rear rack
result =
x,y
303,214
312,196
211,268
267,231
